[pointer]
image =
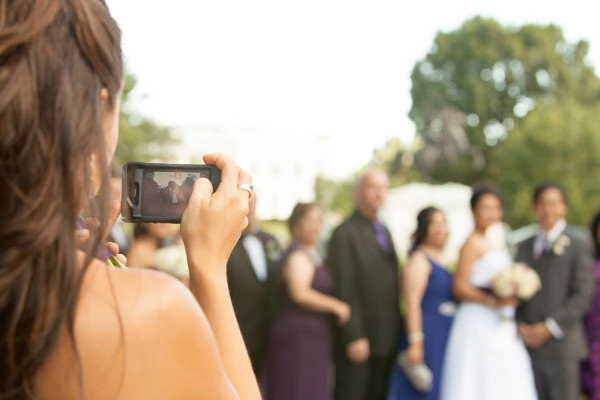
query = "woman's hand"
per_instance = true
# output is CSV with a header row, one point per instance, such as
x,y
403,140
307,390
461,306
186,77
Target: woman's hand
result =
x,y
343,313
83,235
513,302
114,248
213,222
415,352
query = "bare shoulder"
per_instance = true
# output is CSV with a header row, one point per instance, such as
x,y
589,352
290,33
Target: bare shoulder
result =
x,y
297,256
475,245
141,334
418,261
298,264
417,271
418,256
138,295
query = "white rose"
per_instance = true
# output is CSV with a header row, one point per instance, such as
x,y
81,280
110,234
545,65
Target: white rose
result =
x,y
503,284
561,245
528,282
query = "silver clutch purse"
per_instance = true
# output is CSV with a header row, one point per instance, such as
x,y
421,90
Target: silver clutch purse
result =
x,y
419,376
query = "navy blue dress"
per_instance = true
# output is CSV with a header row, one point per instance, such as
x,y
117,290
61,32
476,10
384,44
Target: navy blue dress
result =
x,y
436,328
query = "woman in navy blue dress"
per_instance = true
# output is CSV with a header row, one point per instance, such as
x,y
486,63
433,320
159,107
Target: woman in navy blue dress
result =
x,y
426,286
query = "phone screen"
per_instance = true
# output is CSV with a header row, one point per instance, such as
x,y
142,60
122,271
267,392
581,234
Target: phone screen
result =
x,y
166,193
160,192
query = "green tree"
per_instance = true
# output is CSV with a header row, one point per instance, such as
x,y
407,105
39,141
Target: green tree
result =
x,y
479,83
393,158
557,142
396,160
334,195
140,138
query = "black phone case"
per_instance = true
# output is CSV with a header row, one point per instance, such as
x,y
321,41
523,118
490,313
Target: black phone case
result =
x,y
126,213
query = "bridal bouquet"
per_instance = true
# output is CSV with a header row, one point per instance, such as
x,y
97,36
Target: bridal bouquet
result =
x,y
519,281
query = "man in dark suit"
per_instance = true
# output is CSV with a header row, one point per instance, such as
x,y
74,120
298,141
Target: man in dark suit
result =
x,y
551,322
365,271
252,275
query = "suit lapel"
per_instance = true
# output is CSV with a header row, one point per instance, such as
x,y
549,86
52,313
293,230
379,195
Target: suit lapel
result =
x,y
393,248
550,259
368,232
527,255
372,237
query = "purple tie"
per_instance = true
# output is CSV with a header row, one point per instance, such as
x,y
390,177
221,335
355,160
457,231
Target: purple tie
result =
x,y
382,238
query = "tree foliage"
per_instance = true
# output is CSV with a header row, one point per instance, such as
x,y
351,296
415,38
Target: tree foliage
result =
x,y
560,143
397,161
140,138
394,159
512,105
332,195
480,82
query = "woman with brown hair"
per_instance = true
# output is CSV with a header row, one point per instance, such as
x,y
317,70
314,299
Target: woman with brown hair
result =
x,y
427,288
299,357
70,325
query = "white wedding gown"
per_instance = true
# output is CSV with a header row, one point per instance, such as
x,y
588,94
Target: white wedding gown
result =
x,y
485,357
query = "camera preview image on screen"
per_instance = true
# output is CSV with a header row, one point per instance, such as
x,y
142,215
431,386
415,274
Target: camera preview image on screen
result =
x,y
166,193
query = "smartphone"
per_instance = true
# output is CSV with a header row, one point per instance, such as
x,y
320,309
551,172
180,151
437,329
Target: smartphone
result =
x,y
154,192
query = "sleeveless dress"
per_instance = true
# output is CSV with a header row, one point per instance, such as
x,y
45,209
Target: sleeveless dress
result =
x,y
436,308
591,367
485,358
298,363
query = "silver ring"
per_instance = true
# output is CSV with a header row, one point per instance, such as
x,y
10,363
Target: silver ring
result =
x,y
248,187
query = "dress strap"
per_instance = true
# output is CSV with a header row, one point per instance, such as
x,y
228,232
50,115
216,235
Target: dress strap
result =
x,y
429,258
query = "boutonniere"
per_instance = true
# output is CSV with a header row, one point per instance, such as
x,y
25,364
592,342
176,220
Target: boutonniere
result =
x,y
272,250
561,244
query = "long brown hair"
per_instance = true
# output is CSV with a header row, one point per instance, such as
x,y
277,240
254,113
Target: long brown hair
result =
x,y
424,219
55,58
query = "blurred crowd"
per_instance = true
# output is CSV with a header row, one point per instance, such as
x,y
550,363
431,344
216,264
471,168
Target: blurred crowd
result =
x,y
355,324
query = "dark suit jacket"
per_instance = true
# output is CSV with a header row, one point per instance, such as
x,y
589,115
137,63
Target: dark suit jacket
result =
x,y
366,278
566,295
254,301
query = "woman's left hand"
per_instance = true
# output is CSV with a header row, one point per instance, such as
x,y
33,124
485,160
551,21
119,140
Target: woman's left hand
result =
x,y
114,248
415,353
83,235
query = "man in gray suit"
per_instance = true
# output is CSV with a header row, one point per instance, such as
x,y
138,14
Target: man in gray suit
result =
x,y
551,322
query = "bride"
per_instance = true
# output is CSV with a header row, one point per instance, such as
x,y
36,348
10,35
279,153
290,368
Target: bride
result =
x,y
485,357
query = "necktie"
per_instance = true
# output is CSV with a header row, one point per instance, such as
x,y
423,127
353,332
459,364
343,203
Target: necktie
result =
x,y
381,237
544,249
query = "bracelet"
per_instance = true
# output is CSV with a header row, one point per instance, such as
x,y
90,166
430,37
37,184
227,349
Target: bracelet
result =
x,y
415,337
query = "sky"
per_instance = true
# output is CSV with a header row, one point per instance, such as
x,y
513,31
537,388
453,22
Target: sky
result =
x,y
313,68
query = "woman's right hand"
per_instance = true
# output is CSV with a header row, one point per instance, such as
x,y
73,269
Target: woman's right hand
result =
x,y
213,222
343,313
415,353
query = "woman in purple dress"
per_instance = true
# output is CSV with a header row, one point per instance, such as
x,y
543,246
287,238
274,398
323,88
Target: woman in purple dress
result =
x,y
591,367
299,357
